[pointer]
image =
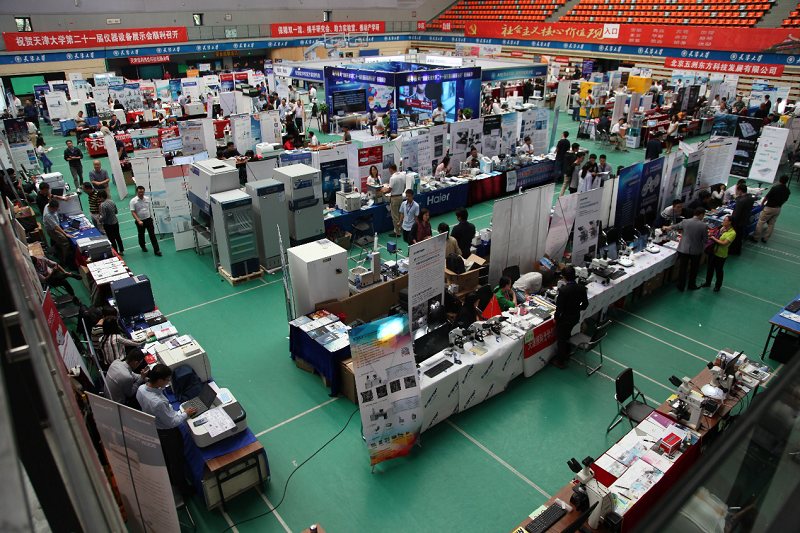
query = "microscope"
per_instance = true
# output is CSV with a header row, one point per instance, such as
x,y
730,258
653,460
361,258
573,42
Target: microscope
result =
x,y
721,384
652,247
477,333
691,403
590,492
625,254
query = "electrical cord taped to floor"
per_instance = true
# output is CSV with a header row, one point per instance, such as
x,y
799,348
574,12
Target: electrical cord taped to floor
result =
x,y
286,486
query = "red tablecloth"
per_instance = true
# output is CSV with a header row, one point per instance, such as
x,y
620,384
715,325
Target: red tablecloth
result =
x,y
219,128
486,189
131,116
96,146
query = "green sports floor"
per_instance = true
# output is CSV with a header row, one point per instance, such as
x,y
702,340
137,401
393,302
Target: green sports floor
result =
x,y
482,470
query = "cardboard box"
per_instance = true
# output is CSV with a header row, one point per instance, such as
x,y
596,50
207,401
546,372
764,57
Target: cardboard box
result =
x,y
649,286
347,380
344,242
302,365
468,280
36,235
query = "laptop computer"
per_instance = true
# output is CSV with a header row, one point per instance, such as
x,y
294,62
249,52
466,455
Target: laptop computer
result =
x,y
203,402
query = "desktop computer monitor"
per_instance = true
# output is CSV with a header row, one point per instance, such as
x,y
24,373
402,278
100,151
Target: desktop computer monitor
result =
x,y
432,343
611,250
403,123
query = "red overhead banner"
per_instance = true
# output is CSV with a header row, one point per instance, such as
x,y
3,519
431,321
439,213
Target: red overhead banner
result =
x,y
307,29
143,60
732,67
763,40
56,40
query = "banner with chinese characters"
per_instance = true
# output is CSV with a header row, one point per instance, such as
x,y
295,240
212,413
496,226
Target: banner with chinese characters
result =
x,y
763,40
58,40
723,66
388,388
144,60
302,29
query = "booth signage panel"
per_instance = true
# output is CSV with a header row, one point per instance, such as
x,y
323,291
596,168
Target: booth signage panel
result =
x,y
143,60
723,66
61,40
535,71
321,28
298,73
437,76
535,174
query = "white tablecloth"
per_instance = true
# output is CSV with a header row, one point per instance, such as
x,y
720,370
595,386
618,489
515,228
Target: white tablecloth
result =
x,y
645,267
476,379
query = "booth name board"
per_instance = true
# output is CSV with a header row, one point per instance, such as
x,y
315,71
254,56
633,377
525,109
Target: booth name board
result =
x,y
766,40
54,40
143,60
723,66
321,28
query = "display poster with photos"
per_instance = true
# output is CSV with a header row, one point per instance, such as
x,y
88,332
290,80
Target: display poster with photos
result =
x,y
387,386
747,131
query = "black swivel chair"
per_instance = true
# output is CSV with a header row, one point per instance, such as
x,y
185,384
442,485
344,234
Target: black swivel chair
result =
x,y
634,410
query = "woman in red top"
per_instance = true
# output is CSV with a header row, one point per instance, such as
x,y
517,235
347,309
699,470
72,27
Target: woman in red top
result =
x,y
289,144
421,229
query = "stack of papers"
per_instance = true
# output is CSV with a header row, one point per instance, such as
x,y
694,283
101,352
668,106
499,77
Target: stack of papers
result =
x,y
108,270
324,328
791,316
218,421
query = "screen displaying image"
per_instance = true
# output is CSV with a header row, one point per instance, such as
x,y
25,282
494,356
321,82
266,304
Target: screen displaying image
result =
x,y
354,101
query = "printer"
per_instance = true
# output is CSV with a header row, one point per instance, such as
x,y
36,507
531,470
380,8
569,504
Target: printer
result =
x,y
265,148
194,108
191,354
199,429
95,248
348,201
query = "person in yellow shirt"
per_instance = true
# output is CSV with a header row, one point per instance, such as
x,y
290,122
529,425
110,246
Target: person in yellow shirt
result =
x,y
716,260
452,243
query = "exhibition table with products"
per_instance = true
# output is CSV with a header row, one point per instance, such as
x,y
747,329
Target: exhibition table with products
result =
x,y
641,467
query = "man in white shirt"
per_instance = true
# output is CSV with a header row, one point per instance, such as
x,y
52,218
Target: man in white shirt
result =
x,y
618,134
122,382
527,284
140,209
496,109
395,191
153,402
299,113
526,147
439,115
474,158
283,109
181,99
312,93
293,93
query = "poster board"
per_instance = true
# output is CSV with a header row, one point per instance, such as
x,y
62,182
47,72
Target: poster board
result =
x,y
63,340
747,131
241,133
387,386
492,135
672,179
426,263
768,155
650,190
176,185
587,225
715,164
57,105
134,453
270,124
463,136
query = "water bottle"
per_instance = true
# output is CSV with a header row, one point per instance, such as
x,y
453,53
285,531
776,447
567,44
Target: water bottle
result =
x,y
358,282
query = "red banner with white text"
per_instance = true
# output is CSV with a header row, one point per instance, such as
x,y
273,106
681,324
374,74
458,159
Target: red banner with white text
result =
x,y
307,29
732,67
763,40
57,40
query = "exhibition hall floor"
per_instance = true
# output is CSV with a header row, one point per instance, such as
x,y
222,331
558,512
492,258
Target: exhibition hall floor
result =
x,y
482,470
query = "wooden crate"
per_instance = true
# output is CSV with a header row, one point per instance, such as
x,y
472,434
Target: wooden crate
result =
x,y
241,279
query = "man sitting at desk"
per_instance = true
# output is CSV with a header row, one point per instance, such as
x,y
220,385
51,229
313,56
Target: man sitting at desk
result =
x,y
372,120
474,158
114,124
122,382
230,151
618,135
53,275
346,135
80,120
526,147
153,401
44,197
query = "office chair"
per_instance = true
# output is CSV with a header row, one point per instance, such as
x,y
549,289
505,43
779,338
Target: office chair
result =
x,y
363,233
587,340
485,294
512,273
634,411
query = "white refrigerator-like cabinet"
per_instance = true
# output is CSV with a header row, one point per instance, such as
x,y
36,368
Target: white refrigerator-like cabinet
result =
x,y
319,273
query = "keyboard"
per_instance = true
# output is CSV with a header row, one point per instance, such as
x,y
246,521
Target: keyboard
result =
x,y
616,275
546,520
438,368
198,404
794,306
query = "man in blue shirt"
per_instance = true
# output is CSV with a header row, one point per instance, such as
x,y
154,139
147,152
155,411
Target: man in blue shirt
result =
x,y
153,402
409,210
